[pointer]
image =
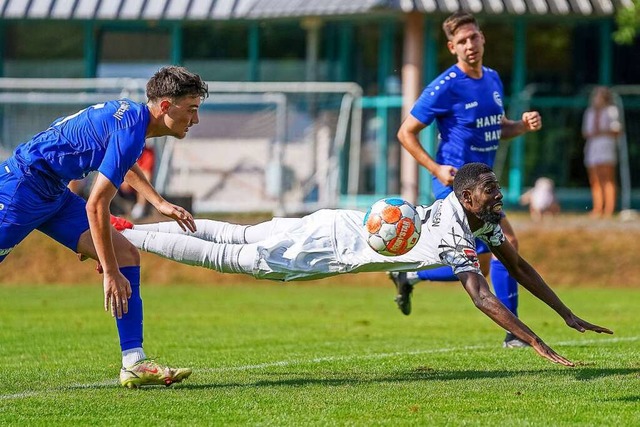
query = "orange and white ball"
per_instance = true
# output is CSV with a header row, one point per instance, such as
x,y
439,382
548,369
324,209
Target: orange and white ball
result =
x,y
393,226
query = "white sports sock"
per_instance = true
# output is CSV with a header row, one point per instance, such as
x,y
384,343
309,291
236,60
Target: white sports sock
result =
x,y
132,356
222,257
412,277
206,229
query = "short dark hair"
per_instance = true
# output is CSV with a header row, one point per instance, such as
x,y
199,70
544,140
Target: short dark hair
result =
x,y
457,20
175,82
467,177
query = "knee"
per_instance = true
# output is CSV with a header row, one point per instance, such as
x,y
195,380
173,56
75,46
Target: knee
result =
x,y
127,255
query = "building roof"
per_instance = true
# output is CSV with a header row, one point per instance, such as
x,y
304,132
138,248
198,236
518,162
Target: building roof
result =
x,y
193,10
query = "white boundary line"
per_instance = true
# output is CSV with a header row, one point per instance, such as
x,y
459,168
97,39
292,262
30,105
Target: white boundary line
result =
x,y
399,353
281,363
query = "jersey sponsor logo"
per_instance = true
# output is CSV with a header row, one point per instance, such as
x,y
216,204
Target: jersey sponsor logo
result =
x,y
5,251
493,135
124,106
497,98
492,120
483,149
468,105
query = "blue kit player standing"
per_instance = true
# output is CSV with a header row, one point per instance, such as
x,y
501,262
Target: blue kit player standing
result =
x,y
466,103
108,138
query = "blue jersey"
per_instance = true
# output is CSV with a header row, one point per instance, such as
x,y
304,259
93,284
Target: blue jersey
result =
x,y
468,113
107,137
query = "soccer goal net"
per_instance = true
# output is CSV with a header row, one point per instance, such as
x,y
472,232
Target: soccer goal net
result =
x,y
259,147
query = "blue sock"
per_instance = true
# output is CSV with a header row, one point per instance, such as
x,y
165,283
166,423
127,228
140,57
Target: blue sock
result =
x,y
130,326
504,286
439,274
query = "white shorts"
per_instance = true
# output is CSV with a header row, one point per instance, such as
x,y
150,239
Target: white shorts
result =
x,y
600,150
305,252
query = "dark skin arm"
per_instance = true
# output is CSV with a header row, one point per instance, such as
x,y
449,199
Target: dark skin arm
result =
x,y
478,289
528,277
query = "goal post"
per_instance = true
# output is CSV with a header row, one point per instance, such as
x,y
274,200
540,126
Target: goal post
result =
x,y
280,147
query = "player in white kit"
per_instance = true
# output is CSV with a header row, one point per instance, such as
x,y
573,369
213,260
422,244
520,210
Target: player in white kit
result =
x,y
331,242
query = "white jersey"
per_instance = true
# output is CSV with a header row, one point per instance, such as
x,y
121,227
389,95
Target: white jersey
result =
x,y
330,242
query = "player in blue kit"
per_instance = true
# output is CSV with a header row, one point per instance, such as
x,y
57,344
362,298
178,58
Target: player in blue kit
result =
x,y
108,138
466,103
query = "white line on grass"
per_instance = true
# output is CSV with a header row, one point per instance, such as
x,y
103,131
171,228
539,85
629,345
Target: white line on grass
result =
x,y
399,353
281,363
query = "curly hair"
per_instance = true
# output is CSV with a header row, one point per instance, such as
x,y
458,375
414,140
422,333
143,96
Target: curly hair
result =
x,y
175,82
467,177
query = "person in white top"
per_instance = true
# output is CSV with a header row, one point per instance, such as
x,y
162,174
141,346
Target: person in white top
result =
x,y
331,242
601,127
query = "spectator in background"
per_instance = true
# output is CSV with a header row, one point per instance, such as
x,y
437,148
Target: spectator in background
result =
x,y
541,199
601,128
147,163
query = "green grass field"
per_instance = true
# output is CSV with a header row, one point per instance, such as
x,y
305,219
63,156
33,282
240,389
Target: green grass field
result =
x,y
316,354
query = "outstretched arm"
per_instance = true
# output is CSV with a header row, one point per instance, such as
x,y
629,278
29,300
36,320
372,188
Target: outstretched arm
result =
x,y
137,179
528,277
408,137
478,289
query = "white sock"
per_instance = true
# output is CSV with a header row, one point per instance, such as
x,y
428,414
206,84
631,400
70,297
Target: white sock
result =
x,y
412,277
206,229
132,356
222,257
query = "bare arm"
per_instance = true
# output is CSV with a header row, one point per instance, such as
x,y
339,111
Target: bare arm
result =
x,y
137,179
478,289
117,288
528,277
531,122
408,137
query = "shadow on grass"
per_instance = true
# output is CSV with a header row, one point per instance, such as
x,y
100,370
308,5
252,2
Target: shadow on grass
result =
x,y
419,374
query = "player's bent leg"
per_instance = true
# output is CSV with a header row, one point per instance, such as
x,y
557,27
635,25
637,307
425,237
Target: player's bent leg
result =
x,y
126,253
438,274
403,291
134,373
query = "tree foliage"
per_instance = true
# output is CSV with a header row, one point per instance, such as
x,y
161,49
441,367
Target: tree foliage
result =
x,y
628,20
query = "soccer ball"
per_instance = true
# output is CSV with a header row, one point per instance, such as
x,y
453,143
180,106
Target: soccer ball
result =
x,y
393,226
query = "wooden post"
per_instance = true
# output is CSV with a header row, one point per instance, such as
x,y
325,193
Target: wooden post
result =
x,y
411,87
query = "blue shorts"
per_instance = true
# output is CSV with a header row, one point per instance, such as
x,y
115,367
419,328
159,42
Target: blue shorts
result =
x,y
23,209
441,191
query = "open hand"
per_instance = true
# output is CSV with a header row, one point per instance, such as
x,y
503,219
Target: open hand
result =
x,y
548,353
117,291
179,214
582,325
